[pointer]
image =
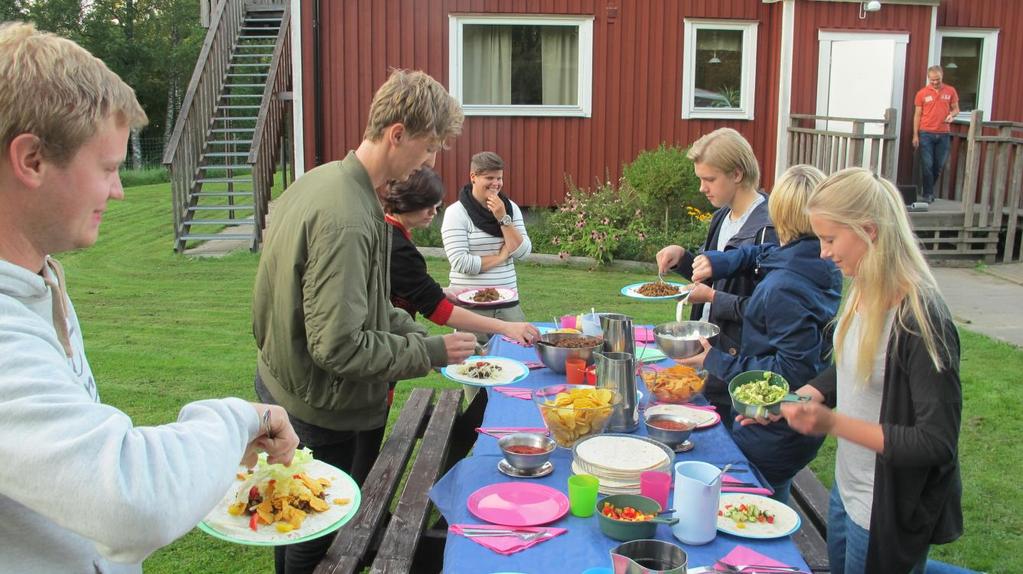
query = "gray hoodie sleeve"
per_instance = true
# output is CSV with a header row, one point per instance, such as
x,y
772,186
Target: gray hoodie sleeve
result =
x,y
88,469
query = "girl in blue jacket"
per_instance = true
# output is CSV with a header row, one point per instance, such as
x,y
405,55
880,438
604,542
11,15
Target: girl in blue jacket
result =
x,y
784,322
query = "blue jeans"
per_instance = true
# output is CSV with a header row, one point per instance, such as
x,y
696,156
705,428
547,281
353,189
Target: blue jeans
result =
x,y
848,541
934,148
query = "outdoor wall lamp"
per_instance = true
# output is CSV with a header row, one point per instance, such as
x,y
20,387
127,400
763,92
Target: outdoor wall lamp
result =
x,y
872,6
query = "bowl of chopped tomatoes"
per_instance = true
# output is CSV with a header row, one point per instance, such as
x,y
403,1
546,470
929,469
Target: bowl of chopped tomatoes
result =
x,y
628,517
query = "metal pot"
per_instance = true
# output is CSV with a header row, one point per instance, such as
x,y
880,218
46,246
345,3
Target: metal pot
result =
x,y
554,357
648,557
681,339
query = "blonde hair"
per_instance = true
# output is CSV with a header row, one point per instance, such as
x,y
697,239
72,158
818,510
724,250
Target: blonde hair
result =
x,y
892,271
419,103
485,161
57,91
787,206
727,150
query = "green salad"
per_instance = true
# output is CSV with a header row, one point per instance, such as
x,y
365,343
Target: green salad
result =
x,y
758,393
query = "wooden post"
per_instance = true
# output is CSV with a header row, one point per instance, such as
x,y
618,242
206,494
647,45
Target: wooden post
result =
x,y
1013,205
857,144
891,126
998,193
972,168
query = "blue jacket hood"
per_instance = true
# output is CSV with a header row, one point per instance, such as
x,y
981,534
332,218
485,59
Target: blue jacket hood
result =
x,y
802,257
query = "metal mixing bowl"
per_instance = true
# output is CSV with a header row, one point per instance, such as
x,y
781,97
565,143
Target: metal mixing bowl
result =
x,y
527,462
681,339
554,357
670,437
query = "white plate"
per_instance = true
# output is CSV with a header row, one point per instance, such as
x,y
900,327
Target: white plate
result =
x,y
506,296
512,371
786,521
220,524
702,418
621,454
632,291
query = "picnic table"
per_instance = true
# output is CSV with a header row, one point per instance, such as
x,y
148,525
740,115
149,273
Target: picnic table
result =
x,y
583,545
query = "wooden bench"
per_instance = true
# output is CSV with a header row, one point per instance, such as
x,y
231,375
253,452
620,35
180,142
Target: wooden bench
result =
x,y
810,501
385,543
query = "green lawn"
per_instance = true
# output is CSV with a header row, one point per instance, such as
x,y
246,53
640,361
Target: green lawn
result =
x,y
162,330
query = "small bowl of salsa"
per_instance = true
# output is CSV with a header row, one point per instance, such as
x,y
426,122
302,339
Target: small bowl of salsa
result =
x,y
671,430
526,451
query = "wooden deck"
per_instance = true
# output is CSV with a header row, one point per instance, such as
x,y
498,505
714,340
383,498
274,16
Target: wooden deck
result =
x,y
945,236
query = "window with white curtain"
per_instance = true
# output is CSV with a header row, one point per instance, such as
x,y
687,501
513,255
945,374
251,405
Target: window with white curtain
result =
x,y
522,65
718,69
968,58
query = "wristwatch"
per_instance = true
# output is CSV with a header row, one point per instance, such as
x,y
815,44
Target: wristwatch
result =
x,y
506,220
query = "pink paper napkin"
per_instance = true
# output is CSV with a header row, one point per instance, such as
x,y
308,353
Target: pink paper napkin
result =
x,y
498,432
533,365
506,544
513,341
515,393
741,555
644,334
725,488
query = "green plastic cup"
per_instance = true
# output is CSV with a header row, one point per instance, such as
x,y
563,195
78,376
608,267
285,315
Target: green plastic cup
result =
x,y
582,494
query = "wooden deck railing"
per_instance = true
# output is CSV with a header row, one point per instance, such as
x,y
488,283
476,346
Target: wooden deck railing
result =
x,y
985,173
270,126
812,141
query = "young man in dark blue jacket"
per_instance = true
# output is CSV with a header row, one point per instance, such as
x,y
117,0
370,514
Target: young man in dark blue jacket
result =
x,y
785,323
729,176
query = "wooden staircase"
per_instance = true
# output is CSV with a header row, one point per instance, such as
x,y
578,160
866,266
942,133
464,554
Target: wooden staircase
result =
x,y
225,146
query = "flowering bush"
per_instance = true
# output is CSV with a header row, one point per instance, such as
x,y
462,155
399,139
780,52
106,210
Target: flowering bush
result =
x,y
595,222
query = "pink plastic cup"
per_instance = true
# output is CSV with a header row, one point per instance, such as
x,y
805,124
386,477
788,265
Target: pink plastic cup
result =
x,y
568,322
655,485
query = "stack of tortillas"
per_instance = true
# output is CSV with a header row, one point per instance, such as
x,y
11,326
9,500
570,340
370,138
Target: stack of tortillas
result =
x,y
617,460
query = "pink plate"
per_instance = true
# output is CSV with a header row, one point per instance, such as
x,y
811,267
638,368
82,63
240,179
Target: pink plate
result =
x,y
518,504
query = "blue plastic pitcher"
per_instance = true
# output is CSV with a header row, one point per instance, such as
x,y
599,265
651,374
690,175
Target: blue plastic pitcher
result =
x,y
697,490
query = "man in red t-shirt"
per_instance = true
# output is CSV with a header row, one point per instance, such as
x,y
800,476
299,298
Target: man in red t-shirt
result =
x,y
937,104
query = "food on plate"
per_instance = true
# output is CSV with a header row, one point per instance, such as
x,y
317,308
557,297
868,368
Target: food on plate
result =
x,y
577,413
525,449
675,384
480,370
743,514
657,289
486,295
670,425
576,342
281,495
627,513
759,393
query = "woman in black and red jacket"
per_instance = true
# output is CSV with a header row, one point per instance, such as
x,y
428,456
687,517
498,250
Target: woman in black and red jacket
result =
x,y
896,378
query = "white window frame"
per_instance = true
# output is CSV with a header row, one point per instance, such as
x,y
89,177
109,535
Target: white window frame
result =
x,y
749,69
585,83
988,55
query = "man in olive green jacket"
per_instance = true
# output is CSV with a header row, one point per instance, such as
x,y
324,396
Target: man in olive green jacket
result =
x,y
329,339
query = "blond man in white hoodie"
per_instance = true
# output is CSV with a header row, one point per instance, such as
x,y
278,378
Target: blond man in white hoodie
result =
x,y
80,485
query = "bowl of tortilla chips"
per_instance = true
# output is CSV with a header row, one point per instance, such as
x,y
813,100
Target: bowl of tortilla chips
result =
x,y
574,412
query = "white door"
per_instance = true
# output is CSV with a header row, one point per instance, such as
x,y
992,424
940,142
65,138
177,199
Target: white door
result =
x,y
861,75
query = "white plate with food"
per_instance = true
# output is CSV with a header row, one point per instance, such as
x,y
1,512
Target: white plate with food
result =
x,y
486,371
488,296
276,504
704,418
656,290
754,516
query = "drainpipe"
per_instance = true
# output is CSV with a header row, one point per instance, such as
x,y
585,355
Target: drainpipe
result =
x,y
317,86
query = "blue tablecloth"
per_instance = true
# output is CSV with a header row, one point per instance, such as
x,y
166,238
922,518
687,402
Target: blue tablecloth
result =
x,y
583,546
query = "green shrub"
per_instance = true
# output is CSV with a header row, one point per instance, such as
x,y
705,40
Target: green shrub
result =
x,y
430,236
144,176
665,181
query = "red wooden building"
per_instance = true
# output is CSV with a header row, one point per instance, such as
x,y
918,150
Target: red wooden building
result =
x,y
578,87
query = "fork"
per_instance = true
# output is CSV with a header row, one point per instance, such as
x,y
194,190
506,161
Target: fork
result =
x,y
523,536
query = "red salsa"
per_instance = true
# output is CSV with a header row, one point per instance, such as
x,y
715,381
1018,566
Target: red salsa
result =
x,y
670,425
525,449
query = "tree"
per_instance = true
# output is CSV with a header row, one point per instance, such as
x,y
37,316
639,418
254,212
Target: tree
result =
x,y
664,178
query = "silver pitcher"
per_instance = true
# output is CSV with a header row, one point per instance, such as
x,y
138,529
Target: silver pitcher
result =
x,y
618,334
648,557
617,371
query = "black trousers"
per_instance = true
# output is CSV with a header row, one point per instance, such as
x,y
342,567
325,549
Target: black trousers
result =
x,y
354,452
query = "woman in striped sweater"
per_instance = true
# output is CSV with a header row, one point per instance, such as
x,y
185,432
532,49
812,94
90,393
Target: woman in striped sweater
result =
x,y
484,234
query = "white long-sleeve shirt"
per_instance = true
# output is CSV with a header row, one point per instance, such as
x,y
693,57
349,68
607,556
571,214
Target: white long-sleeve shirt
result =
x,y
81,488
466,245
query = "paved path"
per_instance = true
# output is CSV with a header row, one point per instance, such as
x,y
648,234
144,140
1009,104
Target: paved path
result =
x,y
987,300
